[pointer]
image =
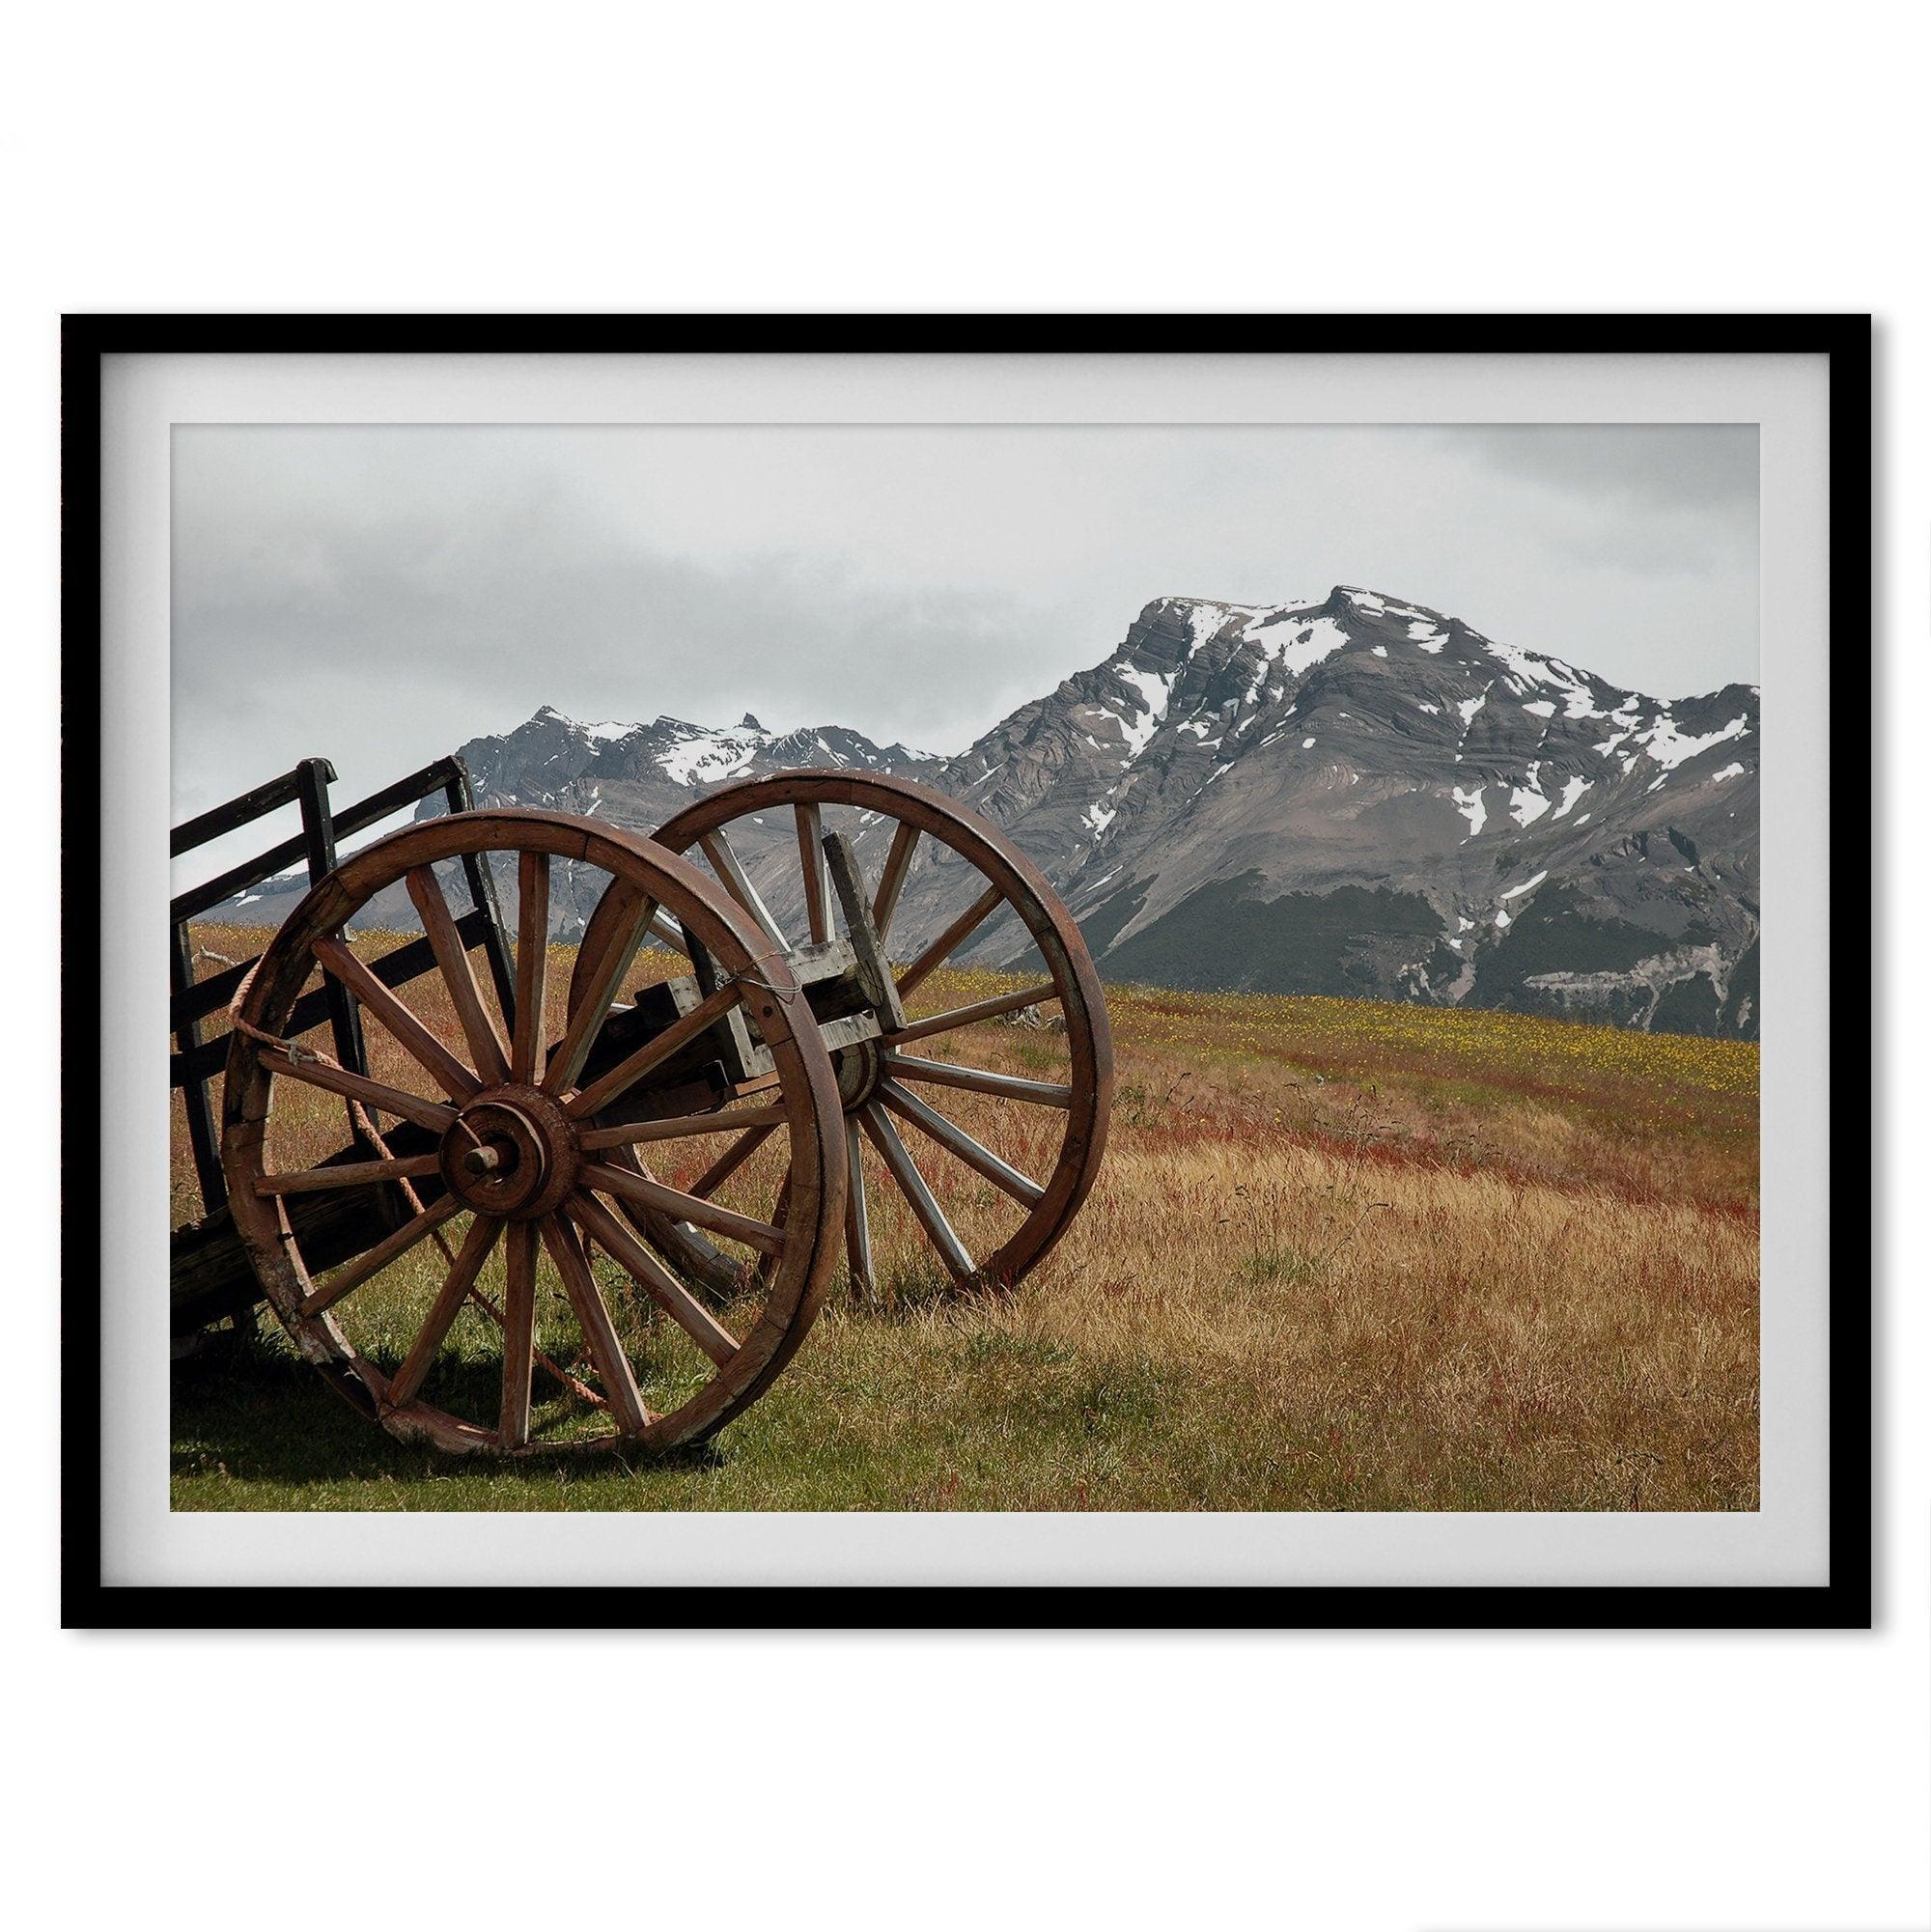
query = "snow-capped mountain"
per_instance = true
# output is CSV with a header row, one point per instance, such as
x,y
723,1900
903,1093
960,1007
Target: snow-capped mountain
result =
x,y
1351,794
639,774
1355,795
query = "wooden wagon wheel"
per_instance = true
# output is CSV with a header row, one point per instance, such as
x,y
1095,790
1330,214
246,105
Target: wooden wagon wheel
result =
x,y
1036,1142
467,1115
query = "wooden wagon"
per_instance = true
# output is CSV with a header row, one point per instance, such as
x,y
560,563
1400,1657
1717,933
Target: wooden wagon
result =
x,y
640,1165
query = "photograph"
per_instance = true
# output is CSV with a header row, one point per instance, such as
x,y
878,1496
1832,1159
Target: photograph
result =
x,y
962,968
1043,895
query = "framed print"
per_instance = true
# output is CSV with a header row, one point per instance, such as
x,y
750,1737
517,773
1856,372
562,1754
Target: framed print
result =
x,y
832,965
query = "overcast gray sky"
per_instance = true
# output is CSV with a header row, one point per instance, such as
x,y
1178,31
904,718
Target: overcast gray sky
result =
x,y
379,595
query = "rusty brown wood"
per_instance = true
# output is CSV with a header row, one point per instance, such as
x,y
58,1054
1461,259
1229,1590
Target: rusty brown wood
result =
x,y
949,1134
602,974
404,1105
724,861
858,1223
366,1266
349,1174
1073,983
928,1026
951,940
442,1314
641,1192
629,1071
401,1024
532,959
729,1162
520,1307
892,879
653,1279
978,1080
487,1052
593,1318
679,1127
912,1183
804,1095
811,860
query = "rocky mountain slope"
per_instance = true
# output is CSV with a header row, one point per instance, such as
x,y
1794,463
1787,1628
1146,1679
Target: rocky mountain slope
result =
x,y
1360,796
1349,795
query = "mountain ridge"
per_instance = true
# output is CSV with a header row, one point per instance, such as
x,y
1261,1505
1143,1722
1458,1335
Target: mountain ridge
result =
x,y
1345,795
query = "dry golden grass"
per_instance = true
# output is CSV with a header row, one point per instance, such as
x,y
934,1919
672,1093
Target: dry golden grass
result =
x,y
1341,1255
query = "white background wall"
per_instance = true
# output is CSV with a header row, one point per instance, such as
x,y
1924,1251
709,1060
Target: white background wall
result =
x,y
1210,157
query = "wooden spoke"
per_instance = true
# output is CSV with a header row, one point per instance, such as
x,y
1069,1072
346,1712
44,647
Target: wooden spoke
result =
x,y
979,1080
811,856
884,1136
348,1174
403,1026
641,1192
601,982
857,1225
891,882
607,1351
599,1094
653,1278
952,939
479,1025
967,1015
719,849
679,1127
353,1274
731,1159
670,932
519,1326
532,963
456,1287
955,1139
378,1094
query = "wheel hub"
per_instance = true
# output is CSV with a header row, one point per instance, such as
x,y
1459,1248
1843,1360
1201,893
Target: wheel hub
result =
x,y
511,1153
859,1068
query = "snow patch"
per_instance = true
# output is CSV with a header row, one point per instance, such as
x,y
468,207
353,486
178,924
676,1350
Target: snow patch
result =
x,y
1469,805
1571,791
1729,772
1155,689
1299,652
1669,744
1526,806
706,757
1100,817
1528,885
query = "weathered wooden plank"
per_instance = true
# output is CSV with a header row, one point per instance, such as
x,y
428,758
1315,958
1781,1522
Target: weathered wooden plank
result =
x,y
220,820
968,1016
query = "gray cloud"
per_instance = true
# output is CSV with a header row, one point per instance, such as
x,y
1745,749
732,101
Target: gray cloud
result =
x,y
379,595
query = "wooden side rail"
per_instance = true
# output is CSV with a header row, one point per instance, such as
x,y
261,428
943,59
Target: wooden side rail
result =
x,y
197,1061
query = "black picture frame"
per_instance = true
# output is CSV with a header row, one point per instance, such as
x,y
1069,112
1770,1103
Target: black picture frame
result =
x,y
1844,1602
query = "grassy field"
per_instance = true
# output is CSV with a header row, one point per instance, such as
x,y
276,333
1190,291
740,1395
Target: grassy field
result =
x,y
1342,1256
